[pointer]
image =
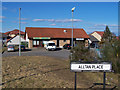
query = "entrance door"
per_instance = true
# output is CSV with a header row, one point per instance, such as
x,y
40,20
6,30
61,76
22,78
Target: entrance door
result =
x,y
57,43
41,44
36,43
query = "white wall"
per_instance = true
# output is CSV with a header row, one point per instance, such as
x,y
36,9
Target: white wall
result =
x,y
96,35
15,41
27,38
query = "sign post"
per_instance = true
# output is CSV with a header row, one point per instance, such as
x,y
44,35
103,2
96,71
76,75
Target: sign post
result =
x,y
91,67
75,80
104,80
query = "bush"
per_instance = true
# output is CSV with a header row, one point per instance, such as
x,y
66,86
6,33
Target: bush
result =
x,y
25,44
111,52
82,53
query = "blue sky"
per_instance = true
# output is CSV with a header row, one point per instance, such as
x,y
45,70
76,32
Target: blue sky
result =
x,y
91,16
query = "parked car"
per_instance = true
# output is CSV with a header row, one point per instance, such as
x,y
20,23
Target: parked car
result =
x,y
67,46
10,48
50,46
22,47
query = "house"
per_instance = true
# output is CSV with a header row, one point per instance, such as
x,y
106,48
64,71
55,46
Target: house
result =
x,y
95,38
14,33
98,35
36,36
3,39
15,40
93,41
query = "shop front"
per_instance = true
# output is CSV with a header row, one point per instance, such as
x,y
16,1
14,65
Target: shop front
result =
x,y
40,41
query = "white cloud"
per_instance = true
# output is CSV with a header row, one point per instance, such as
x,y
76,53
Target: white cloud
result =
x,y
100,25
77,20
104,25
68,20
53,24
24,18
36,20
1,21
58,20
50,20
98,28
113,25
2,17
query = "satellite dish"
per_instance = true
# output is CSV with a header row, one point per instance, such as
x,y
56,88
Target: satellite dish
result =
x,y
65,31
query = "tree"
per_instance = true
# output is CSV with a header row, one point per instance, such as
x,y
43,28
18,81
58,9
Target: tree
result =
x,y
107,36
110,49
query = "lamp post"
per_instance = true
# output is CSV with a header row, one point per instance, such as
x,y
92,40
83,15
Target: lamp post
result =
x,y
19,32
72,30
72,27
72,47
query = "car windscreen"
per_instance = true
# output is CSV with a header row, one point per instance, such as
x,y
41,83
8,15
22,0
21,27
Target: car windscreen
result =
x,y
68,45
22,46
10,46
51,44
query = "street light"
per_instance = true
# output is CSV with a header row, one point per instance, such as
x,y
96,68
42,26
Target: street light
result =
x,y
72,27
19,32
72,30
72,46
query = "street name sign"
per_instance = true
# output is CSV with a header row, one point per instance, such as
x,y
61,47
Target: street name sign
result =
x,y
79,38
94,67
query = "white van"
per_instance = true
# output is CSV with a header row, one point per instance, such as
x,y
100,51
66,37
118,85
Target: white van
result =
x,y
50,45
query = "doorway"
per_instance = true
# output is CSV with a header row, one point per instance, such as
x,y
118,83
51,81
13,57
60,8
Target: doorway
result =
x,y
57,43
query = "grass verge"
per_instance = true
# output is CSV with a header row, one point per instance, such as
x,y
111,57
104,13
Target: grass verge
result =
x,y
47,72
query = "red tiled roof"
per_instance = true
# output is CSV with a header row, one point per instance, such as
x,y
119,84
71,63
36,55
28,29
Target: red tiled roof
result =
x,y
12,38
16,31
55,32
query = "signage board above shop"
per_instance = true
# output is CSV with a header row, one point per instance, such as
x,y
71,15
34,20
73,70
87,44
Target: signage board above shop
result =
x,y
101,66
41,37
79,38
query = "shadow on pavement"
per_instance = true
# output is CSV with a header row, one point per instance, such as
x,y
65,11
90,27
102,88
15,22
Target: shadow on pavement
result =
x,y
58,49
95,84
25,50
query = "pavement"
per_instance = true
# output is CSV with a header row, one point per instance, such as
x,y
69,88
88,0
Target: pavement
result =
x,y
59,53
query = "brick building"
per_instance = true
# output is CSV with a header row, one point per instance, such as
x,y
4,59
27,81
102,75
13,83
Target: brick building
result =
x,y
36,36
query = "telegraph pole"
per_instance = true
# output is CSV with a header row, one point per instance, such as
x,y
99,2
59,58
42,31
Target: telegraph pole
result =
x,y
19,31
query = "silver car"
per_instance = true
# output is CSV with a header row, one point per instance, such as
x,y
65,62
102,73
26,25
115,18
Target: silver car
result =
x,y
10,48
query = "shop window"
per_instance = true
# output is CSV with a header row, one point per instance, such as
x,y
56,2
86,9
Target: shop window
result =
x,y
37,42
34,42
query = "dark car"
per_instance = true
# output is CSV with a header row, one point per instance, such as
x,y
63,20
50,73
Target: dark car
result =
x,y
22,47
67,46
